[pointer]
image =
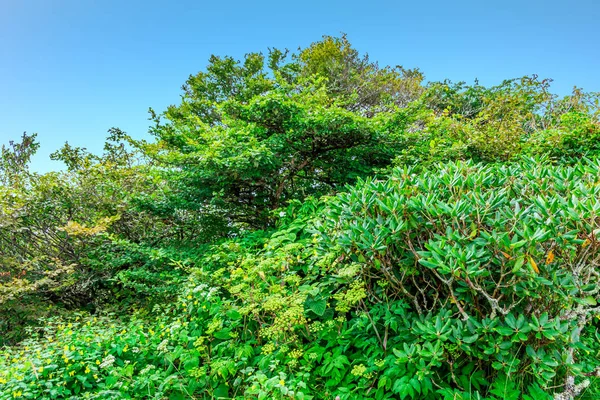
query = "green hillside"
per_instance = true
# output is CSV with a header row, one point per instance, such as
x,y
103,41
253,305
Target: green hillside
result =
x,y
311,225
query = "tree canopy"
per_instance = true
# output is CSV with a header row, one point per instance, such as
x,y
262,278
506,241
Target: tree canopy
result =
x,y
250,136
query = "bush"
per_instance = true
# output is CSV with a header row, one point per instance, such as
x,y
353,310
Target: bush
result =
x,y
466,282
492,271
448,277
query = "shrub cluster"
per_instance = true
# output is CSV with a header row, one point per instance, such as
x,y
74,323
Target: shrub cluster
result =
x,y
468,281
312,225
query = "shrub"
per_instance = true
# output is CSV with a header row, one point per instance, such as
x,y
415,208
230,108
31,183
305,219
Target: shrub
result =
x,y
465,282
491,271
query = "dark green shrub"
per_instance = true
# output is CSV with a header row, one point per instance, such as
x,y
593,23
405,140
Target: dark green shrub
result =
x,y
494,269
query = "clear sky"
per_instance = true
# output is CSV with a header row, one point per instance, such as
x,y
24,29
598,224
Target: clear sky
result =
x,y
71,69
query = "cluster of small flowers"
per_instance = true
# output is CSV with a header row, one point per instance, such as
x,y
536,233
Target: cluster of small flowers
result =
x,y
331,324
200,341
359,370
205,290
200,288
212,291
293,280
315,327
198,372
174,328
108,361
383,283
147,369
268,348
349,271
214,325
249,308
274,303
353,295
162,347
295,354
286,322
238,288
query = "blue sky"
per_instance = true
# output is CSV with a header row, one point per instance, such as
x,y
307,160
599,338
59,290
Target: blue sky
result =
x,y
71,69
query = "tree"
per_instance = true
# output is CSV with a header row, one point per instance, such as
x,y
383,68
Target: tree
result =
x,y
359,84
60,231
14,160
250,136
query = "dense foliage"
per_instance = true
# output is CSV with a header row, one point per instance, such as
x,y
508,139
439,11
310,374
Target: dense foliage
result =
x,y
311,225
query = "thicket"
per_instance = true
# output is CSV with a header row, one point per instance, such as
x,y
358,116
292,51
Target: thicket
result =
x,y
312,225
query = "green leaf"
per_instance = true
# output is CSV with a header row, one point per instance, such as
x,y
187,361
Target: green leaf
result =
x,y
234,315
111,380
222,334
470,339
518,264
590,301
318,306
